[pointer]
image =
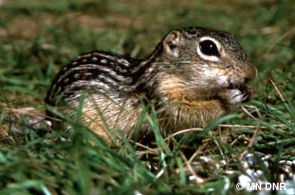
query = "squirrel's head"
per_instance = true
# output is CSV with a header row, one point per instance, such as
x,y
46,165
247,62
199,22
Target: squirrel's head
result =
x,y
200,63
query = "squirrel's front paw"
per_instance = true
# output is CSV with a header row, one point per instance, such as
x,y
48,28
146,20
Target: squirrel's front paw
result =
x,y
234,96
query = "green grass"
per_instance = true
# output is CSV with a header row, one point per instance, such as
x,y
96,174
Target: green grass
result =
x,y
38,37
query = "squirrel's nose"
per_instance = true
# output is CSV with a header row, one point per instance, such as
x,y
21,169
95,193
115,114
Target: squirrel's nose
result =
x,y
250,72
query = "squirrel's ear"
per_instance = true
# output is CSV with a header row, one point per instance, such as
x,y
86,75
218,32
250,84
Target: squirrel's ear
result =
x,y
172,42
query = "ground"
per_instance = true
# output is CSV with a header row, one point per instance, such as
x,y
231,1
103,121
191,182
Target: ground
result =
x,y
38,37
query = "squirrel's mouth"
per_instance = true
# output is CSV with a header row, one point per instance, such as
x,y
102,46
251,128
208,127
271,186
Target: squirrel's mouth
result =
x,y
235,94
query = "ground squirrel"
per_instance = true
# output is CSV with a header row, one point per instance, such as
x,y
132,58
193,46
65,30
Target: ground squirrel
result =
x,y
193,76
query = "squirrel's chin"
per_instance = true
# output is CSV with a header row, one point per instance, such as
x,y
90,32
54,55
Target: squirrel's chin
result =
x,y
235,95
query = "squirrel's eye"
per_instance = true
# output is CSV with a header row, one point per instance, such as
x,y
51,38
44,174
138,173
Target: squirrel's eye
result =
x,y
208,48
